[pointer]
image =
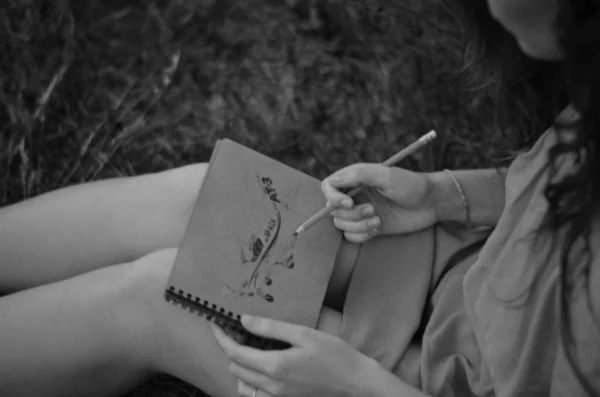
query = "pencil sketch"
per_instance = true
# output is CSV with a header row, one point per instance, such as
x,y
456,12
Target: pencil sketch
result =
x,y
266,249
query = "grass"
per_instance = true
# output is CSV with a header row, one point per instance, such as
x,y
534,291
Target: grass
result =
x,y
103,88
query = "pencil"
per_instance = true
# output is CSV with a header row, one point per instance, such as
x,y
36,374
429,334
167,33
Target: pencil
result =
x,y
401,155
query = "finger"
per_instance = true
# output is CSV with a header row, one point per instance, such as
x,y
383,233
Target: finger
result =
x,y
253,378
234,334
359,212
247,390
244,355
362,226
334,196
359,238
362,174
268,328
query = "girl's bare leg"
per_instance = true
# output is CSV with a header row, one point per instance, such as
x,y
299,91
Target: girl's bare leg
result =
x,y
66,339
81,228
100,333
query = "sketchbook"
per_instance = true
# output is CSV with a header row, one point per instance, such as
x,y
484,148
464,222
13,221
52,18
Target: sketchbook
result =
x,y
239,254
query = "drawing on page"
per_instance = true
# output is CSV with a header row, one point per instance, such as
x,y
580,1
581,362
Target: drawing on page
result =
x,y
265,248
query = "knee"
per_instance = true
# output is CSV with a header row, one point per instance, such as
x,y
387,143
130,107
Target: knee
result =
x,y
177,191
152,269
185,182
139,304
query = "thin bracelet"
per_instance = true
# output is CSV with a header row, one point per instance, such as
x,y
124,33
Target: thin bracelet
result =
x,y
463,197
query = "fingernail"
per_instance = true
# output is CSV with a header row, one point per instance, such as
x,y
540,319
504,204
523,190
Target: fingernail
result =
x,y
373,232
347,203
373,222
336,178
368,211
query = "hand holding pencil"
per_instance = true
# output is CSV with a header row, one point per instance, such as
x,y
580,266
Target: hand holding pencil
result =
x,y
396,199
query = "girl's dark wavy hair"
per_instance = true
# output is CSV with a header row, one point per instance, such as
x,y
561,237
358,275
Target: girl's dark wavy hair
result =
x,y
529,95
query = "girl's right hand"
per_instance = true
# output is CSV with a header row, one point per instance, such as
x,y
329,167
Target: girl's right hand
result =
x,y
397,201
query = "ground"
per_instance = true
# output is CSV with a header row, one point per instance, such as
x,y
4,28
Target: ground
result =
x,y
102,88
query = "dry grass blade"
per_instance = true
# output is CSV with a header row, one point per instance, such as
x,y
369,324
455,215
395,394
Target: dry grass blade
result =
x,y
49,90
128,130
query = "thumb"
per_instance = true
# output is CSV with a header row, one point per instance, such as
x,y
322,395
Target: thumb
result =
x,y
361,174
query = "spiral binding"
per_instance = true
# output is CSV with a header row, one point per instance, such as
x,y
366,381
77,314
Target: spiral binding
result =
x,y
221,317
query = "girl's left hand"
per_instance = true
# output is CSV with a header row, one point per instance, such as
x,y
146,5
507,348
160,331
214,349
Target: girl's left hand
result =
x,y
317,363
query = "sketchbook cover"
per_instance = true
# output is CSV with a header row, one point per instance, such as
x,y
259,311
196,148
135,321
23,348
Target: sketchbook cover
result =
x,y
239,254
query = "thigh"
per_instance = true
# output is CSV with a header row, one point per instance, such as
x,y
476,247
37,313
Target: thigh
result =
x,y
81,228
389,291
424,249
64,339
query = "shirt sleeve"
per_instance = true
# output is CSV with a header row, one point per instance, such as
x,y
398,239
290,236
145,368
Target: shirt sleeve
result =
x,y
581,375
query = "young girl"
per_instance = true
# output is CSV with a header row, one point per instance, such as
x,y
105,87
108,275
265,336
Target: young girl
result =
x,y
416,310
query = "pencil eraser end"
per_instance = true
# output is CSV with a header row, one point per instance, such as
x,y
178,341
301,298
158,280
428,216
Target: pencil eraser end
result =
x,y
430,136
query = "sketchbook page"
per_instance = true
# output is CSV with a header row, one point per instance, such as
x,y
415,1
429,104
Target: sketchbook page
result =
x,y
239,252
